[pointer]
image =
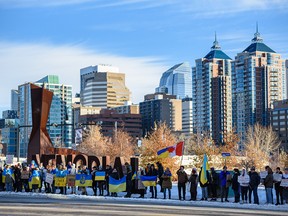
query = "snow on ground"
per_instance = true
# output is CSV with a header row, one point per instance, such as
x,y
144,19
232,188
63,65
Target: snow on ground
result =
x,y
161,201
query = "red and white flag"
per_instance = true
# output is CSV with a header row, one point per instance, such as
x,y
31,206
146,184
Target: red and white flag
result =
x,y
177,149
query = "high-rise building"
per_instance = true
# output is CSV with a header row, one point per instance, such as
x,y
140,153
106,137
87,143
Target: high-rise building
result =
x,y
14,99
258,79
160,107
187,116
60,115
177,81
110,120
279,122
103,86
9,126
211,77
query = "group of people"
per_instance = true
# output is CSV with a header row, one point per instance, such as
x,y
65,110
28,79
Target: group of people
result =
x,y
217,185
244,184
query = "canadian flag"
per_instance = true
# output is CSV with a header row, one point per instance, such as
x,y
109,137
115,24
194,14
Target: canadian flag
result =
x,y
176,149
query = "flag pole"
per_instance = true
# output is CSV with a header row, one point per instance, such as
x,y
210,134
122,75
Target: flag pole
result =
x,y
182,154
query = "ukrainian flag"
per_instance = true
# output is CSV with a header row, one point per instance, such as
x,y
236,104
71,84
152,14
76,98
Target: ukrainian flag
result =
x,y
99,176
148,180
83,180
134,176
117,185
34,180
165,153
205,167
5,171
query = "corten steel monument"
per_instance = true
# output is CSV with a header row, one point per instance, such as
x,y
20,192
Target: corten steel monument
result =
x,y
40,142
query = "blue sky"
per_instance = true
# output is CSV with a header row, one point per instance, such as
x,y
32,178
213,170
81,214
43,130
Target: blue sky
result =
x,y
142,37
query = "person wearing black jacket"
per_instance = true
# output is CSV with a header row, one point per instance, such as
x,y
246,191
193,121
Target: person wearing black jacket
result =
x,y
253,184
94,182
160,173
214,184
17,175
153,172
128,180
236,185
108,171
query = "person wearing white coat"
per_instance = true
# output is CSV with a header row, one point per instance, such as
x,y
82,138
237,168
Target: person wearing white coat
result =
x,y
244,180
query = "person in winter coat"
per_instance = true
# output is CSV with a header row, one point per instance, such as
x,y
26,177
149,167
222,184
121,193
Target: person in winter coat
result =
x,y
268,183
193,179
253,184
182,180
9,181
94,182
160,174
285,189
204,187
236,186
167,182
214,183
278,188
244,184
140,186
153,172
224,183
128,180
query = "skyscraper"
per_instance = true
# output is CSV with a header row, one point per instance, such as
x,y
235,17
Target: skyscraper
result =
x,y
103,86
177,81
258,79
187,116
14,99
160,107
211,77
60,113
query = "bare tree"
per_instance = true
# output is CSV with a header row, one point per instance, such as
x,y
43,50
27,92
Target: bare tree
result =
x,y
120,145
94,143
261,142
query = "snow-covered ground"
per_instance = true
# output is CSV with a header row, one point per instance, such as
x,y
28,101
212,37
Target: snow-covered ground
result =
x,y
160,200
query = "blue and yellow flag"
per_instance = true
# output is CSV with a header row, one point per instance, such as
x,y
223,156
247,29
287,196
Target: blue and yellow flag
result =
x,y
134,176
100,176
205,167
34,180
83,180
5,172
117,185
149,180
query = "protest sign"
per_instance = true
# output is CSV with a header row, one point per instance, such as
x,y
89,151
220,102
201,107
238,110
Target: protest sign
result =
x,y
277,177
284,183
243,179
60,181
9,159
263,174
71,180
49,178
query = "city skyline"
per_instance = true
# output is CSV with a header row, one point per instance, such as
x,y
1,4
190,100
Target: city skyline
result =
x,y
69,35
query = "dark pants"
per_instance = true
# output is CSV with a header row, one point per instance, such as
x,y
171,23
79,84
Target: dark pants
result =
x,y
224,193
255,195
94,187
244,191
160,183
169,192
236,196
193,191
214,190
183,187
250,194
153,190
279,193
